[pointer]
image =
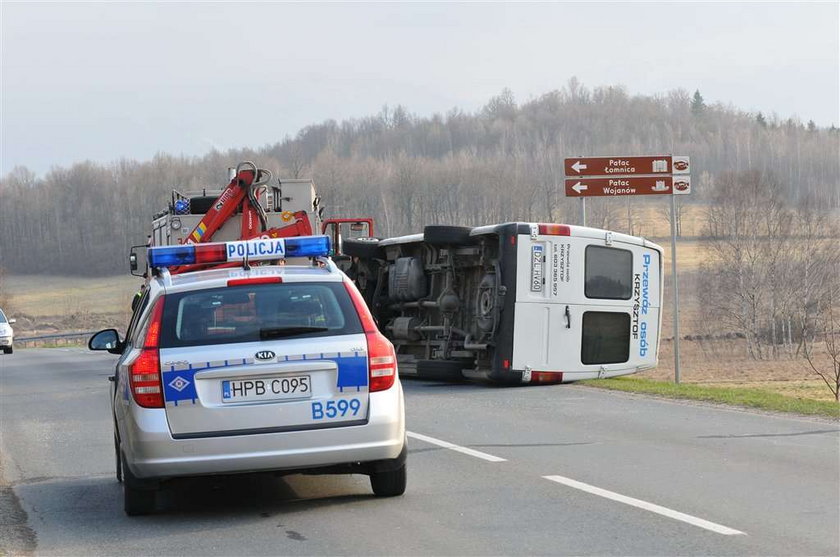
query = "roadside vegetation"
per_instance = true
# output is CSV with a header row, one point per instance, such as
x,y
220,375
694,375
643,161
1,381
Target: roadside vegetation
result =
x,y
750,397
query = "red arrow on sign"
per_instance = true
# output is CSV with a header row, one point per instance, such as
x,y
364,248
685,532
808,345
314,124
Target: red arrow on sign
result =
x,y
623,185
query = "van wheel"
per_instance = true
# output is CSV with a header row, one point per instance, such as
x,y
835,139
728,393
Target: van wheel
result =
x,y
366,248
8,350
138,499
389,484
440,235
441,370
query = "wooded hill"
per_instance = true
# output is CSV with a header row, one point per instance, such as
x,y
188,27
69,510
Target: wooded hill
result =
x,y
503,162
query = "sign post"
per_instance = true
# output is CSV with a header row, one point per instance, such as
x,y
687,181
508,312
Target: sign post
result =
x,y
676,289
631,176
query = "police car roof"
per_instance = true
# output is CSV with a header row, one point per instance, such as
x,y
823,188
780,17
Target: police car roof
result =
x,y
213,278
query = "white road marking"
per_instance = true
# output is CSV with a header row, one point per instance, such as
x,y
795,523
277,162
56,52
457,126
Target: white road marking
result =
x,y
676,515
452,446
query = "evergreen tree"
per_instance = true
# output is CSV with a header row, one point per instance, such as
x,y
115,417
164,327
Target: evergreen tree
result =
x,y
812,126
761,120
698,106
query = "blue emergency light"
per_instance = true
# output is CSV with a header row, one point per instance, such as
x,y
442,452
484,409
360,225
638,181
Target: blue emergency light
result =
x,y
259,249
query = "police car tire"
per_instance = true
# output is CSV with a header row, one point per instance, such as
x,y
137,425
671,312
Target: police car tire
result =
x,y
441,370
389,483
118,459
137,499
9,350
441,235
366,249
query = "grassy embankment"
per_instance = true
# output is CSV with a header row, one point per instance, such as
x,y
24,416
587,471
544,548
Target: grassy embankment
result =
x,y
737,395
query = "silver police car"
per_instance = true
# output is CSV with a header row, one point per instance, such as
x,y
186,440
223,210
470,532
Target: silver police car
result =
x,y
271,368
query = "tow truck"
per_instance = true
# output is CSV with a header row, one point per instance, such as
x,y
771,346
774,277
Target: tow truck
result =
x,y
511,303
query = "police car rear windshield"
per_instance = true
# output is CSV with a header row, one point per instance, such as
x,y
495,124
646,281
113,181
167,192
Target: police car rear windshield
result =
x,y
259,312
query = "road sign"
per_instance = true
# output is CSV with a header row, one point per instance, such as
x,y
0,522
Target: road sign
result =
x,y
615,166
627,185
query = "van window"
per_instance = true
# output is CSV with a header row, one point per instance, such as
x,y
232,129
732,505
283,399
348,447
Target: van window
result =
x,y
609,273
2,317
606,338
251,313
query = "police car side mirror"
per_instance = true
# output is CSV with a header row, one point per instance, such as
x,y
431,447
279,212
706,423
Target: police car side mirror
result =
x,y
133,260
108,340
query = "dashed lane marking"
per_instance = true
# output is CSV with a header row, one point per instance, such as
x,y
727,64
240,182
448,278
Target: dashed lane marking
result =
x,y
454,447
664,511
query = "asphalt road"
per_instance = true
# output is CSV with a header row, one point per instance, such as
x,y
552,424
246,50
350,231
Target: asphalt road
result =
x,y
492,471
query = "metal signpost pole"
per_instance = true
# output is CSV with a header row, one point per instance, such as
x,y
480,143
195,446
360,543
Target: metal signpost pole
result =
x,y
676,289
583,211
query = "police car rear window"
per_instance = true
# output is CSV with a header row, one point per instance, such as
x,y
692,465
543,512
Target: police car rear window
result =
x,y
606,338
609,273
251,313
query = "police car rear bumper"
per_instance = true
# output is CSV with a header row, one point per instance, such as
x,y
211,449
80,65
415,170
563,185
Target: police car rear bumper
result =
x,y
152,452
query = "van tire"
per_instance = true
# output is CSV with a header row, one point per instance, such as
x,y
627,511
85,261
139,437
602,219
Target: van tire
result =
x,y
440,370
365,249
9,350
138,499
390,483
441,235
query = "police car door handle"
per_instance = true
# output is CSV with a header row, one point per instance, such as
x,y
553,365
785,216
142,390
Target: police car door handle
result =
x,y
568,318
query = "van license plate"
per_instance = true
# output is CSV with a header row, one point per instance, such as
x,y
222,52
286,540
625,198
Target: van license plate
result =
x,y
267,388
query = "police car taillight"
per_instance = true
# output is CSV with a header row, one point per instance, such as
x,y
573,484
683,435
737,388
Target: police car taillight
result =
x,y
382,358
144,373
555,230
259,249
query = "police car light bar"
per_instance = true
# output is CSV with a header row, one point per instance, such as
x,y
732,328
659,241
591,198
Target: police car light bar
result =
x,y
259,249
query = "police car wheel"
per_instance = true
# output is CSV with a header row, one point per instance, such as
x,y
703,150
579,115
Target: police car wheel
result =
x,y
8,350
118,460
389,483
137,499
440,235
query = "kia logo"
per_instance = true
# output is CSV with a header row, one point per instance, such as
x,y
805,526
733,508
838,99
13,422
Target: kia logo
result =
x,y
264,355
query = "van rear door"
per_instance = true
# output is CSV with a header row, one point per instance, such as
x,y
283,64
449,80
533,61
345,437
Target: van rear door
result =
x,y
587,303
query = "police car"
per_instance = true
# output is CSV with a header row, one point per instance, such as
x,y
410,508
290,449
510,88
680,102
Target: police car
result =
x,y
243,368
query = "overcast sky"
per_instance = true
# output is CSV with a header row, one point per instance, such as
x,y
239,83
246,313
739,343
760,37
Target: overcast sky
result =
x,y
102,81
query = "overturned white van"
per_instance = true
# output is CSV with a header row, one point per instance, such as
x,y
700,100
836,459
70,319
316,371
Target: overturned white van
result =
x,y
514,302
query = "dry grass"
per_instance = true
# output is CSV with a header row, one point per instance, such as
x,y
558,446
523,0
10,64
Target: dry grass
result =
x,y
51,296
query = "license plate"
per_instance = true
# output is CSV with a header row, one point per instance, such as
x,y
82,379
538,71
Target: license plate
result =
x,y
267,388
537,251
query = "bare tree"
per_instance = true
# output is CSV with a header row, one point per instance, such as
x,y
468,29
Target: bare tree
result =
x,y
825,326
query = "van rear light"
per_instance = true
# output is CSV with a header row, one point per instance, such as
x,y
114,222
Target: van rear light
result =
x,y
382,358
555,230
546,377
144,373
